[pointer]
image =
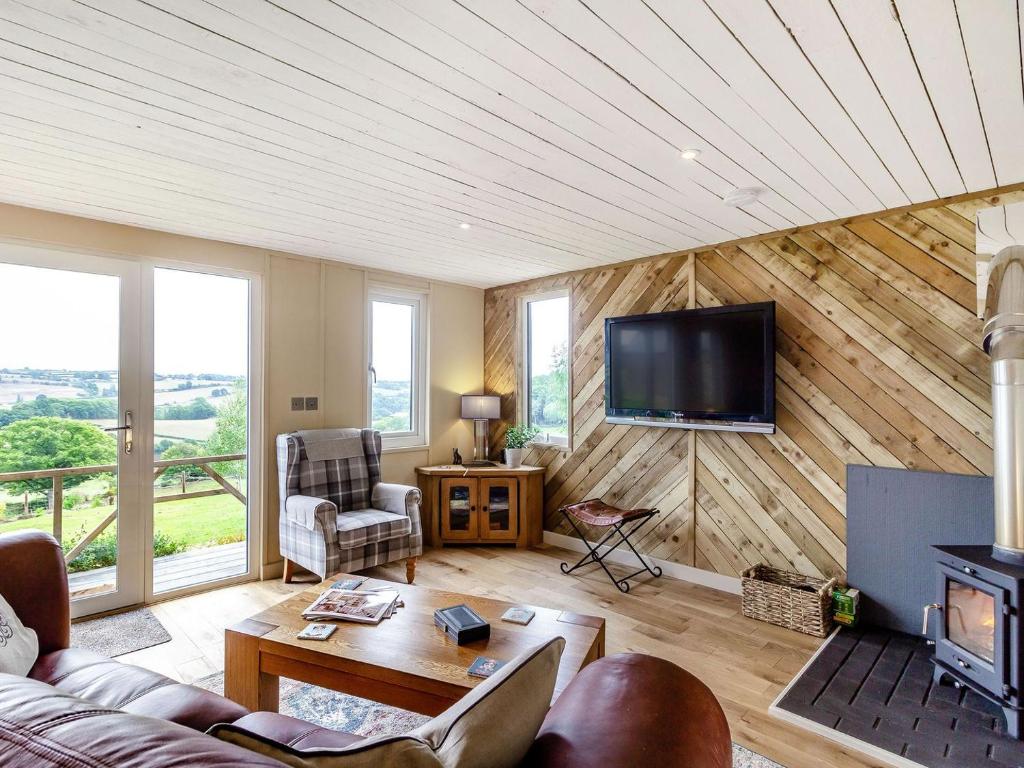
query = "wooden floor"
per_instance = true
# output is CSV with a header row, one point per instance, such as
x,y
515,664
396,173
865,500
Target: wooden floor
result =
x,y
745,662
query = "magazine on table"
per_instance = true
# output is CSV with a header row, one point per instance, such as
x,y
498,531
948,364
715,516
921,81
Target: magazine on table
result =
x,y
365,606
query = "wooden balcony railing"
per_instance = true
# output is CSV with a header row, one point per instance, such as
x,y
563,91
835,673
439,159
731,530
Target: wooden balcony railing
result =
x,y
159,467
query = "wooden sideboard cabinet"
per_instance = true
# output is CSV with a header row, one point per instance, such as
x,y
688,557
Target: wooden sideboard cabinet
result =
x,y
482,505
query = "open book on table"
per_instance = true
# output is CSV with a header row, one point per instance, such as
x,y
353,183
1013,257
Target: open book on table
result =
x,y
353,605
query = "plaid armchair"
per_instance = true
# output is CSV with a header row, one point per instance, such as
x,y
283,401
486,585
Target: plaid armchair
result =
x,y
336,515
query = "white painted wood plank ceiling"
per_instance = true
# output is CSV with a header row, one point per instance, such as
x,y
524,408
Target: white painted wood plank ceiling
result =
x,y
374,131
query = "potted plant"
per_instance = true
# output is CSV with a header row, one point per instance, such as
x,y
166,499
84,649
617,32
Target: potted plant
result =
x,y
516,437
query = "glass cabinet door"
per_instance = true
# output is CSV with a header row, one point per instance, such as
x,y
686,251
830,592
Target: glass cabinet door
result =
x,y
500,508
459,508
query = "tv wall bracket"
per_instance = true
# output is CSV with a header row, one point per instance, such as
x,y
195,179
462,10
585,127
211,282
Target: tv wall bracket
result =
x,y
680,423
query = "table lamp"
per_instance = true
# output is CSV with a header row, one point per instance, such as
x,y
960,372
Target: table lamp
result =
x,y
480,408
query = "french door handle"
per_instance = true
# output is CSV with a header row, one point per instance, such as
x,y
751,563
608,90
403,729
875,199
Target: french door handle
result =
x,y
126,428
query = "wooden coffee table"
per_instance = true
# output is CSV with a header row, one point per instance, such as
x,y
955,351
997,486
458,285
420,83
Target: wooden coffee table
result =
x,y
404,661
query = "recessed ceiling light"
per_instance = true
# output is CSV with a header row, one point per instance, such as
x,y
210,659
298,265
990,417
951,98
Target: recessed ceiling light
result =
x,y
690,154
464,225
740,196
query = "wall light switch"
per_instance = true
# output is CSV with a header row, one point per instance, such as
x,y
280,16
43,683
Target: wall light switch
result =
x,y
312,403
298,403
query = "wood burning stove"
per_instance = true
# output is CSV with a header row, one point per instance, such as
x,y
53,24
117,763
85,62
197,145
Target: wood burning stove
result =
x,y
977,635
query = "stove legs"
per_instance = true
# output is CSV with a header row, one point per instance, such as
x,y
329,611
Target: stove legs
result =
x,y
1013,722
1014,717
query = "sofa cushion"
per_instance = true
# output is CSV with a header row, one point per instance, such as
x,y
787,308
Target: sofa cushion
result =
x,y
41,727
114,685
368,526
34,581
465,736
385,751
19,645
295,733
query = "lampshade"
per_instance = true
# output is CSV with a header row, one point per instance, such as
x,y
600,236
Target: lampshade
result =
x,y
481,407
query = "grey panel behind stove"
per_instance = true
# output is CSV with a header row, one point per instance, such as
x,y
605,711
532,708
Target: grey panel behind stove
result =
x,y
893,516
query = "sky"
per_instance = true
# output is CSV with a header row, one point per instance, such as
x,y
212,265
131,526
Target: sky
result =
x,y
549,326
59,319
392,341
51,318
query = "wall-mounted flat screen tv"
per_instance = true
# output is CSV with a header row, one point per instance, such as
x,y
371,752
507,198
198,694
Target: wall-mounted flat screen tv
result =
x,y
711,368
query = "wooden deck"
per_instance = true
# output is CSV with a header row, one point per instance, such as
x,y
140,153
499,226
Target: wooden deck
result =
x,y
170,572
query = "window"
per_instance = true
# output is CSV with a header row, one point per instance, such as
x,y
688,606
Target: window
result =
x,y
545,404
397,373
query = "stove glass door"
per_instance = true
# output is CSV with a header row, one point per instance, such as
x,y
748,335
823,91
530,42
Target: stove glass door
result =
x,y
971,619
971,638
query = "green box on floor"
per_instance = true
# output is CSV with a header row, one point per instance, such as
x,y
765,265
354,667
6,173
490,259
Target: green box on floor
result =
x,y
845,600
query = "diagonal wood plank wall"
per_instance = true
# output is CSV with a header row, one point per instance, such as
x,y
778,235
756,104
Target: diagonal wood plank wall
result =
x,y
878,362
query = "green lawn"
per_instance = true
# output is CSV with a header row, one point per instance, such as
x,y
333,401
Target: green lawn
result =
x,y
196,522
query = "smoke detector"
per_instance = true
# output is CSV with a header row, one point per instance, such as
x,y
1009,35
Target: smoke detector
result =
x,y
740,196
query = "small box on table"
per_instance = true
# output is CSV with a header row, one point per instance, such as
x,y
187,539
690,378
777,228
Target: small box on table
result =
x,y
462,624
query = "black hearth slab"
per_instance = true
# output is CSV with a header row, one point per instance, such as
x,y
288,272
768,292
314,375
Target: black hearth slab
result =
x,y
1004,753
895,706
940,725
865,732
817,714
929,751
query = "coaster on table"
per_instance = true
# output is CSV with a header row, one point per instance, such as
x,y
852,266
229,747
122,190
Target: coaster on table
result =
x,y
484,667
317,631
518,615
349,583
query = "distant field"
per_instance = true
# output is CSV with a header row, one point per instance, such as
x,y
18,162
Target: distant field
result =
x,y
188,395
192,429
10,391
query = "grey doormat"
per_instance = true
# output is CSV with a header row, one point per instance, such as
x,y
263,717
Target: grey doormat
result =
x,y
119,633
341,712
872,689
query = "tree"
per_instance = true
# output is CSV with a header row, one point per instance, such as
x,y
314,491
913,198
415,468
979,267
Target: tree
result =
x,y
231,432
549,394
199,408
183,450
46,442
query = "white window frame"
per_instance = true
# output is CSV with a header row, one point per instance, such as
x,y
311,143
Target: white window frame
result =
x,y
417,436
523,409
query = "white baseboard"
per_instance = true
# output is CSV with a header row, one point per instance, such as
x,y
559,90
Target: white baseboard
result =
x,y
675,570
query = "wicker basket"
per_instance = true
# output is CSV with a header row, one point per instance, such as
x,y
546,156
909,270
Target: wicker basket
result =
x,y
788,599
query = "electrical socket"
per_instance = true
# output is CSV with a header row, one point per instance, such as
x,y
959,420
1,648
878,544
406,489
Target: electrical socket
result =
x,y
298,403
312,403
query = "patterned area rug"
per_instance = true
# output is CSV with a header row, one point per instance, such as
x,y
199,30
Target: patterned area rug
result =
x,y
341,712
120,633
329,709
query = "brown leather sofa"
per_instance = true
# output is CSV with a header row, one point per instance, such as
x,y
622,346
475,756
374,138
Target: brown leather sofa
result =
x,y
78,709
34,581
